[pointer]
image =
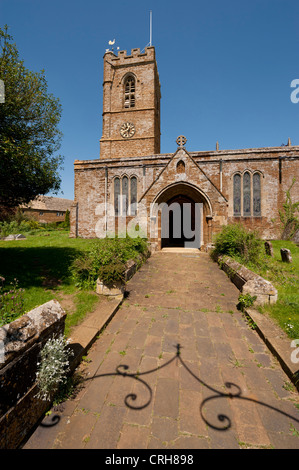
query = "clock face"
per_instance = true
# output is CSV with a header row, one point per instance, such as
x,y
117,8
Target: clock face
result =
x,y
127,130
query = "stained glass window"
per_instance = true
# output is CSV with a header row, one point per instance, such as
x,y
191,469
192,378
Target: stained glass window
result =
x,y
125,195
246,194
116,195
237,195
256,194
133,201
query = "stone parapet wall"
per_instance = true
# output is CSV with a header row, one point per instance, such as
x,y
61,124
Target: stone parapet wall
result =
x,y
248,282
20,344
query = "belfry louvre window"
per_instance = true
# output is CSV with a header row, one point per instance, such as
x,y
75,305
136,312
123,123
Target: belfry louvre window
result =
x,y
247,194
125,196
130,92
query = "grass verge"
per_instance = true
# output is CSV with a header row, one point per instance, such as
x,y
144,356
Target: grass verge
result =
x,y
41,264
285,278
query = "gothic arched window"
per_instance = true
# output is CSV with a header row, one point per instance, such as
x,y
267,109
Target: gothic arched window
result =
x,y
133,195
125,195
116,196
237,194
256,186
130,92
246,194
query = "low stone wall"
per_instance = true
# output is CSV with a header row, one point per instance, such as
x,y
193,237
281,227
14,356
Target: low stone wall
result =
x,y
118,289
20,344
248,282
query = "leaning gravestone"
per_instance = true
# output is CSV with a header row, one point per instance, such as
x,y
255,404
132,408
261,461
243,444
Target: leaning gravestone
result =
x,y
19,236
285,255
268,248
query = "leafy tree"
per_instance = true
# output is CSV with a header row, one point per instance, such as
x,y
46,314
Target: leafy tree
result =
x,y
288,216
67,219
29,134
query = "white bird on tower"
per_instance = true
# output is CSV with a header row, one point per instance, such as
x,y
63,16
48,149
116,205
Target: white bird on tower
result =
x,y
111,43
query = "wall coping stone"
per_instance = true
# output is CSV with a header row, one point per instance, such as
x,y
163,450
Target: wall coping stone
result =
x,y
20,334
248,282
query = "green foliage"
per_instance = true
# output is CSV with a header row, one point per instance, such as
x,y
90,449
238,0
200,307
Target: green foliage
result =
x,y
112,272
245,301
13,227
11,302
29,134
66,222
235,241
288,217
106,259
53,367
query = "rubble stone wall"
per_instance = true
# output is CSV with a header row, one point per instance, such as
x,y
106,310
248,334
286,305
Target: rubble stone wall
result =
x,y
20,344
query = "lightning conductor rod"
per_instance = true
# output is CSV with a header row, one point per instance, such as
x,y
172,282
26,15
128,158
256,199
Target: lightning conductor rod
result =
x,y
150,27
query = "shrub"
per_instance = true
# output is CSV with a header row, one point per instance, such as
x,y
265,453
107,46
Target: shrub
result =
x,y
83,272
245,301
53,367
289,215
11,302
112,272
235,241
67,222
107,259
13,227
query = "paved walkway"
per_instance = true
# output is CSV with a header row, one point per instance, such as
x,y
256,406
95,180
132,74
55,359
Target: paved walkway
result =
x,y
221,388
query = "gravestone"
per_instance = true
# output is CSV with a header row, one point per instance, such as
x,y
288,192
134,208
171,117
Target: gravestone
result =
x,y
285,255
268,248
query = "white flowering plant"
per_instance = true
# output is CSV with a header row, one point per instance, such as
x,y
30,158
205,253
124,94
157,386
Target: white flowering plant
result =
x,y
53,367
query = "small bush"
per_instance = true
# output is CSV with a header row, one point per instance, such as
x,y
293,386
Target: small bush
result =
x,y
289,215
11,302
245,301
106,259
113,272
67,222
18,222
235,241
53,367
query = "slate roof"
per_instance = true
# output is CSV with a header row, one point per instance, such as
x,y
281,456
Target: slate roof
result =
x,y
49,203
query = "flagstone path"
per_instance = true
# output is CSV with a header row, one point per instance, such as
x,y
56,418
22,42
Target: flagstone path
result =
x,y
220,388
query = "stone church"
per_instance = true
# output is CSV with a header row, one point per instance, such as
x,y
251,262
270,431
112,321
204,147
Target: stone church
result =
x,y
133,187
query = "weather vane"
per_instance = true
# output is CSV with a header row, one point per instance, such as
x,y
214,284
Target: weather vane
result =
x,y
111,43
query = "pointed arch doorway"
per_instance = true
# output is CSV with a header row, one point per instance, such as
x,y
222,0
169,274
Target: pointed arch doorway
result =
x,y
178,222
184,216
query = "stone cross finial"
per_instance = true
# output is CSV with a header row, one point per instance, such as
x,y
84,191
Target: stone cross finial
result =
x,y
181,140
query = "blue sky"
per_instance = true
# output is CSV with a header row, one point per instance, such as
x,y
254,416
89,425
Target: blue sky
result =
x,y
225,67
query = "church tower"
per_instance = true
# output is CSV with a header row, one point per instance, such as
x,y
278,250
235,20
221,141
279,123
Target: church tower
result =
x,y
131,105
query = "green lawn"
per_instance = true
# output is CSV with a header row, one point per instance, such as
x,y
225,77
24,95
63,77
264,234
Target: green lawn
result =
x,y
285,277
41,265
